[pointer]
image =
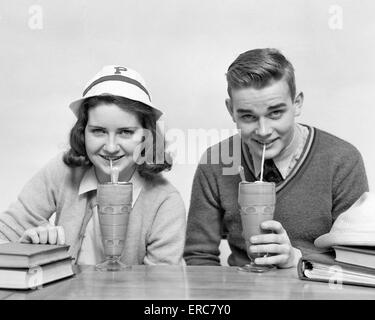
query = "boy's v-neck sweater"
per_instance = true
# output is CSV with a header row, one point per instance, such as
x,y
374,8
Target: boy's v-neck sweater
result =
x,y
327,179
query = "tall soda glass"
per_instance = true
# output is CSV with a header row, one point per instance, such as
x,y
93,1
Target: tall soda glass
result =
x,y
114,207
257,204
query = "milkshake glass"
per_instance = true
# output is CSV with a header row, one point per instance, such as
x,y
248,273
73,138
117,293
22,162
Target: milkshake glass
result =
x,y
114,207
257,204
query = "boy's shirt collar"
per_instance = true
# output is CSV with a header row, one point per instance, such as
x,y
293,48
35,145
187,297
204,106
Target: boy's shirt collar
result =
x,y
283,160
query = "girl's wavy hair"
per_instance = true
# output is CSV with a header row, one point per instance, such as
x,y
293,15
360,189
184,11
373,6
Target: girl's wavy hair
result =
x,y
152,148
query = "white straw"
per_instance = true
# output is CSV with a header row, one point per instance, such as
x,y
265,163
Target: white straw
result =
x,y
114,172
262,164
111,169
114,175
242,173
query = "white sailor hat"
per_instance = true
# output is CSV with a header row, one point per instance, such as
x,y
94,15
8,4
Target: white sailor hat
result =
x,y
118,81
354,227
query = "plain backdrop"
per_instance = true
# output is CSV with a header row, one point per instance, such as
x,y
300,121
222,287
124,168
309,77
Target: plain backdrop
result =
x,y
50,49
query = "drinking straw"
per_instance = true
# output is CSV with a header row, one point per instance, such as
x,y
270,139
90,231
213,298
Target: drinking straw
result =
x,y
114,172
262,164
114,175
242,173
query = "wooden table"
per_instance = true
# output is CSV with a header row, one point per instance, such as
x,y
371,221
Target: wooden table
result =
x,y
186,282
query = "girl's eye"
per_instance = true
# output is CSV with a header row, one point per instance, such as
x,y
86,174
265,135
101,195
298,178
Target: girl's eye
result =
x,y
126,132
97,131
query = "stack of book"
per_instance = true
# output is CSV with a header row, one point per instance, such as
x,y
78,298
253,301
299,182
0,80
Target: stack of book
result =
x,y
344,264
29,266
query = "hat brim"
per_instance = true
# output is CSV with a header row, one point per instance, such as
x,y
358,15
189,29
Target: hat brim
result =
x,y
75,105
347,239
116,88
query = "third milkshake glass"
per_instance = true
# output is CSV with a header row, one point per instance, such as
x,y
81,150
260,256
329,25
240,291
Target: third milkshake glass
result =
x,y
257,204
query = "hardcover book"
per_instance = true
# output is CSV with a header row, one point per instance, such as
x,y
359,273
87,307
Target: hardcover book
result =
x,y
34,277
357,255
27,255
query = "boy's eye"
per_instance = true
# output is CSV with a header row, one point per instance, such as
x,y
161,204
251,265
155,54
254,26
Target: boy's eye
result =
x,y
276,114
248,117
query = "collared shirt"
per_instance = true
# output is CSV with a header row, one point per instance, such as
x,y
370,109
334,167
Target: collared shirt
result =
x,y
286,160
92,251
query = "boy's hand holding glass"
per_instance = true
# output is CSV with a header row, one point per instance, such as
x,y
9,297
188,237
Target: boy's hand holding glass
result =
x,y
277,244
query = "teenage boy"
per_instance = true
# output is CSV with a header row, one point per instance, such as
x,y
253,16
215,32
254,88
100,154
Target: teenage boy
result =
x,y
318,176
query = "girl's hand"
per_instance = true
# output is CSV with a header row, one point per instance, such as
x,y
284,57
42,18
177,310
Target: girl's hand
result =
x,y
47,234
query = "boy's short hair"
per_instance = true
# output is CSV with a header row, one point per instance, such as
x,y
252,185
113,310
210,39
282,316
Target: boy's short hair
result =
x,y
257,68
